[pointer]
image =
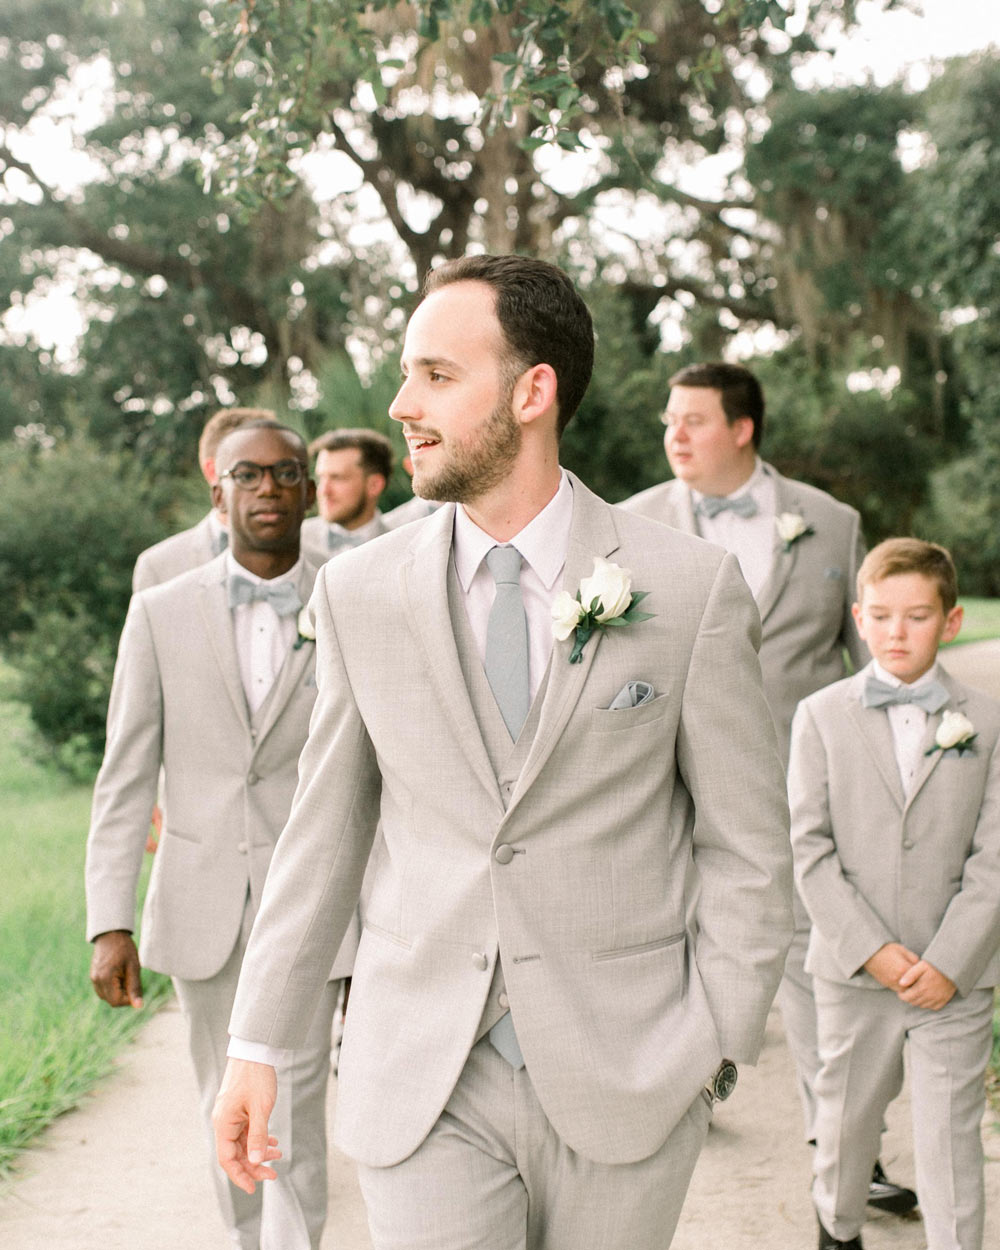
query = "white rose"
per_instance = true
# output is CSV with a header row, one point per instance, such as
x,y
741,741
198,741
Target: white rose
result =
x,y
954,729
790,526
304,625
609,583
566,614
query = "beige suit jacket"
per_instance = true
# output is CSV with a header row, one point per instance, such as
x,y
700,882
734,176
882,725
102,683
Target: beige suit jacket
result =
x,y
579,884
805,605
177,554
875,866
229,778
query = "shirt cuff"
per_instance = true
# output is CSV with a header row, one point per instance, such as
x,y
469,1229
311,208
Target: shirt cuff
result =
x,y
256,1052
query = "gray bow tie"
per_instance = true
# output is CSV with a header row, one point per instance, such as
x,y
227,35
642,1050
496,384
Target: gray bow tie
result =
x,y
337,540
711,505
282,596
931,696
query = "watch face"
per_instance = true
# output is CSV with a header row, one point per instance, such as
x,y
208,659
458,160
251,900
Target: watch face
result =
x,y
725,1080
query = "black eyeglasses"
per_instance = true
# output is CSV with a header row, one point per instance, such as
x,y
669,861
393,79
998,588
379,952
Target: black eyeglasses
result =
x,y
248,476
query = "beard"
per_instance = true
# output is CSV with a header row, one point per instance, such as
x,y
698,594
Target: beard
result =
x,y
474,467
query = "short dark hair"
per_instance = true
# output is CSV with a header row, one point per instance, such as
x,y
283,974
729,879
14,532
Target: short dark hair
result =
x,y
896,556
742,395
542,317
265,424
223,422
375,448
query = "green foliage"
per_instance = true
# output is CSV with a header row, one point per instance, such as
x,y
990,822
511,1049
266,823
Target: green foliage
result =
x,y
72,521
56,1038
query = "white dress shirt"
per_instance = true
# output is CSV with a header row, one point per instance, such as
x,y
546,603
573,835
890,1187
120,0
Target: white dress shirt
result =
x,y
543,544
908,723
263,638
750,539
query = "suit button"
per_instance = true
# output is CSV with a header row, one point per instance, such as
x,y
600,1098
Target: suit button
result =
x,y
504,1001
481,962
907,844
241,847
504,854
252,779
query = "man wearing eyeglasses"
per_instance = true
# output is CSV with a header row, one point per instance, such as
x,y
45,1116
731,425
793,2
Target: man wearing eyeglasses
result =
x,y
216,680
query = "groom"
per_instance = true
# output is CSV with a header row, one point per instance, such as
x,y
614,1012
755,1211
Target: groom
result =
x,y
537,1026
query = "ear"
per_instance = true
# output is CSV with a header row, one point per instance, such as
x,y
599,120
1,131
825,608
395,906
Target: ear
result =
x,y
219,498
375,484
952,623
534,393
742,429
856,613
208,469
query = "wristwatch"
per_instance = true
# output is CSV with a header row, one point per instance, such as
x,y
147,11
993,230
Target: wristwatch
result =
x,y
722,1082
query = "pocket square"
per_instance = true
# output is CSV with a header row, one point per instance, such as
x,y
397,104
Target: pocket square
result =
x,y
632,694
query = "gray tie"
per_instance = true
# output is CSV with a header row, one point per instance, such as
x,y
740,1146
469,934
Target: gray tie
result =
x,y
507,671
282,596
742,505
931,696
506,660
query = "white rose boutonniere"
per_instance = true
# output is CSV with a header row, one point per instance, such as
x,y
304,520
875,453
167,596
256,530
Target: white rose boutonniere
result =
x,y
791,526
955,733
305,627
605,600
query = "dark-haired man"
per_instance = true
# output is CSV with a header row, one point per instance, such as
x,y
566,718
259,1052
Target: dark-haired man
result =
x,y
215,680
532,1025
799,550
353,467
199,544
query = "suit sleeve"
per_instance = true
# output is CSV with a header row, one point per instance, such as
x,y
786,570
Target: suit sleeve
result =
x,y
969,933
314,881
125,791
728,757
850,928
849,636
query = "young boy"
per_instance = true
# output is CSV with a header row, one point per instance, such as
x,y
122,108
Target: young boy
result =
x,y
894,785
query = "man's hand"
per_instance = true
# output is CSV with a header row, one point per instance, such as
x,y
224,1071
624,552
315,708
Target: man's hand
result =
x,y
922,985
889,963
240,1121
114,969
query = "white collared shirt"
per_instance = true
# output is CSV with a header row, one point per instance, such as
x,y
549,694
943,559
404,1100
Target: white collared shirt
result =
x,y
543,544
908,723
263,638
750,539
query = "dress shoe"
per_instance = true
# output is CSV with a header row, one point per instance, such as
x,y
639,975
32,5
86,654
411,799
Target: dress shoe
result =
x,y
882,1193
827,1241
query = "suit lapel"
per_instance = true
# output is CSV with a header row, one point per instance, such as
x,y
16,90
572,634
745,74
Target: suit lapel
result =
x,y
873,728
592,534
424,584
786,499
293,669
928,763
219,627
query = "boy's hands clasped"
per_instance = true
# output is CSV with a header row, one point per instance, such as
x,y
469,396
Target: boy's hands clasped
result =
x,y
913,979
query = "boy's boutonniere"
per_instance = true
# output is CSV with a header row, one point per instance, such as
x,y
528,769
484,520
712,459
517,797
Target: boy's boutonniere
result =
x,y
791,526
955,733
306,629
605,599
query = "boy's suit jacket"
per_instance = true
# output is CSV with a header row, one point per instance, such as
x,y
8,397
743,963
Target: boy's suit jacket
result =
x,y
578,882
805,605
229,777
174,555
874,866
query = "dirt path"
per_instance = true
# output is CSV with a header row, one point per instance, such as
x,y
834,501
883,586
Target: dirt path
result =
x,y
127,1171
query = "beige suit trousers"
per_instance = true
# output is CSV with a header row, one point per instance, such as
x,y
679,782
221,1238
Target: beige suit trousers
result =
x,y
288,1213
493,1175
863,1034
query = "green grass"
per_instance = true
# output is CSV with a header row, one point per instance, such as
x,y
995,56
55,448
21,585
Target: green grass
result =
x,y
56,1038
982,620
